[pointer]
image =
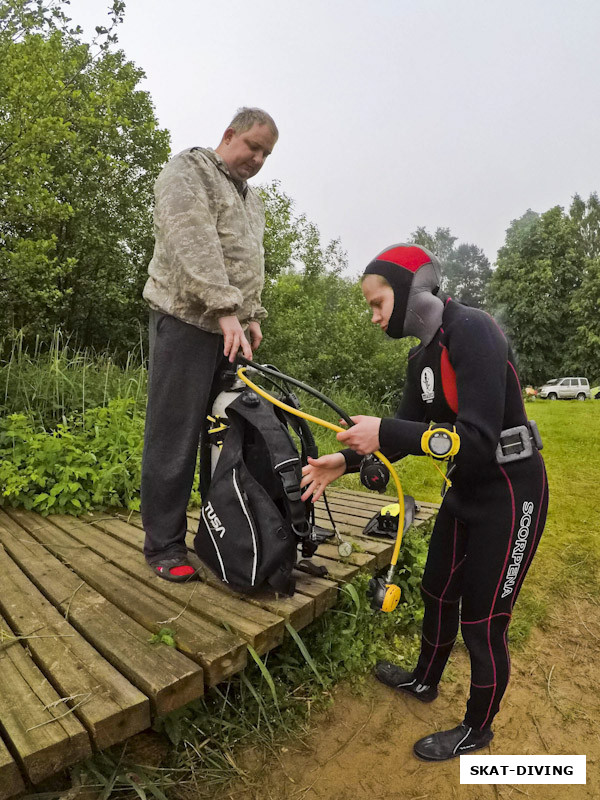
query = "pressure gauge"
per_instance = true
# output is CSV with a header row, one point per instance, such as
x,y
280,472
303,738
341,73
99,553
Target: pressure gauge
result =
x,y
440,442
345,549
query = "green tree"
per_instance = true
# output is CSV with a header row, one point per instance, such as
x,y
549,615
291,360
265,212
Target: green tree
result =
x,y
291,242
441,242
585,303
319,330
466,269
540,267
281,231
468,275
80,149
318,326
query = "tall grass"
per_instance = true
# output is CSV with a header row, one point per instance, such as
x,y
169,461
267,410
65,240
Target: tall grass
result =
x,y
56,379
569,552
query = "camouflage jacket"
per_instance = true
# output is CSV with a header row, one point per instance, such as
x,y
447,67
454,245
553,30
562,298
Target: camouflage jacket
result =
x,y
208,257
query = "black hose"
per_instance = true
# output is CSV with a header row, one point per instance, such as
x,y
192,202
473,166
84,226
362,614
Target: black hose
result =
x,y
304,386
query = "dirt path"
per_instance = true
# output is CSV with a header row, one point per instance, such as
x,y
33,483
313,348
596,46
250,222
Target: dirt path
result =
x,y
361,749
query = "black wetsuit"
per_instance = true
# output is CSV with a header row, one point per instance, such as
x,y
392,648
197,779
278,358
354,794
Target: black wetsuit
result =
x,y
491,519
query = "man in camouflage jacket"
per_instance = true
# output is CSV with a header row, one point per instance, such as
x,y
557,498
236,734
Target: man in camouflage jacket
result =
x,y
204,292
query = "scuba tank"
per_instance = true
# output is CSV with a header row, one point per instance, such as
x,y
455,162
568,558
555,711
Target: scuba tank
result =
x,y
217,420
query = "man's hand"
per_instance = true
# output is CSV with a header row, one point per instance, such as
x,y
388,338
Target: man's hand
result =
x,y
363,436
255,334
234,337
319,473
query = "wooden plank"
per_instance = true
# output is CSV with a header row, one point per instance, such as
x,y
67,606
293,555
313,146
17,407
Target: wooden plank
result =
x,y
167,677
369,562
337,570
360,513
353,520
354,525
323,591
347,509
104,701
380,548
298,610
11,782
346,525
376,546
353,532
219,652
44,735
262,629
357,498
321,599
365,561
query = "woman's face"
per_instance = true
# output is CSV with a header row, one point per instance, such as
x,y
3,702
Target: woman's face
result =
x,y
380,297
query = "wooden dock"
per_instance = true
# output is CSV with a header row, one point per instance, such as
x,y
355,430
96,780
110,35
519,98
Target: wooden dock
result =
x,y
78,607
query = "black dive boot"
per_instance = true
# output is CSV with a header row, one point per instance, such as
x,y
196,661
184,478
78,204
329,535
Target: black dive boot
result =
x,y
450,744
403,681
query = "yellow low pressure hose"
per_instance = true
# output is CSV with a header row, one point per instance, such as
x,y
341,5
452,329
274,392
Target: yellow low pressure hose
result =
x,y
337,428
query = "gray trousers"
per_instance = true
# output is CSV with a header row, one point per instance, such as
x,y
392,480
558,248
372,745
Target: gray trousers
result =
x,y
184,366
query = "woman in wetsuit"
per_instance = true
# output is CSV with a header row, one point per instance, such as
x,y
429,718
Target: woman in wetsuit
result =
x,y
461,376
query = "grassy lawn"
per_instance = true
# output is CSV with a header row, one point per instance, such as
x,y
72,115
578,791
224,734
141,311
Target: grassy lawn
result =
x,y
570,549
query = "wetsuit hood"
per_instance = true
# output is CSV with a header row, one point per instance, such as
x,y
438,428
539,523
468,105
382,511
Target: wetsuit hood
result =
x,y
410,270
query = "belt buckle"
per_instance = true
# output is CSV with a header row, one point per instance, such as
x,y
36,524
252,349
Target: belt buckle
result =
x,y
525,439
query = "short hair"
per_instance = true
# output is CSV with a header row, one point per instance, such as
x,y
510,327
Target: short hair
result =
x,y
246,118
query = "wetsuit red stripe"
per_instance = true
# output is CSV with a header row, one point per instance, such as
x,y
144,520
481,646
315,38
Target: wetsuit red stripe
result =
x,y
439,599
502,573
505,640
518,385
449,380
536,537
441,644
439,625
485,619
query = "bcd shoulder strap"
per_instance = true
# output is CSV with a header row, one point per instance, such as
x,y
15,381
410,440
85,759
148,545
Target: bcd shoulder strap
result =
x,y
282,451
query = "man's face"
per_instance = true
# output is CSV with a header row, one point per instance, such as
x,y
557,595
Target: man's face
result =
x,y
380,297
245,153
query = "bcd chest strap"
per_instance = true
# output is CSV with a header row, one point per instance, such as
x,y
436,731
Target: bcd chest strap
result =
x,y
290,480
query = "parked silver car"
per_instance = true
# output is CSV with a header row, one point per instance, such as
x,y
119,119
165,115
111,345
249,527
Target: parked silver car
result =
x,y
566,389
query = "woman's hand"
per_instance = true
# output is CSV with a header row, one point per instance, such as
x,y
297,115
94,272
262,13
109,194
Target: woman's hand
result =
x,y
363,436
319,473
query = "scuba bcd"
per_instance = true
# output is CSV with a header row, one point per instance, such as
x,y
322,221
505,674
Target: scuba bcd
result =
x,y
384,595
253,518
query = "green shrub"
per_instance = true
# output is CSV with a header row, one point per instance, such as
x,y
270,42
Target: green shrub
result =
x,y
89,461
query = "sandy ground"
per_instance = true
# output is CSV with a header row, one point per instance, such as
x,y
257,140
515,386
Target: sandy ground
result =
x,y
361,748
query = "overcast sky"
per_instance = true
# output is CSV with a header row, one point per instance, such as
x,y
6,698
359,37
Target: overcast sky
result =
x,y
392,113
